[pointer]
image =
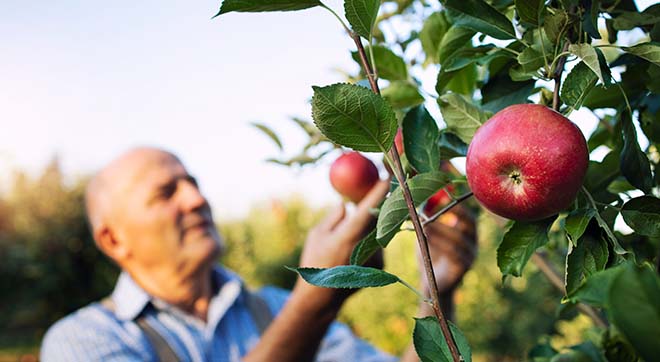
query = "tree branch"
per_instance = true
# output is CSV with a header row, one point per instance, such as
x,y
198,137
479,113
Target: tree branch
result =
x,y
546,268
453,203
419,230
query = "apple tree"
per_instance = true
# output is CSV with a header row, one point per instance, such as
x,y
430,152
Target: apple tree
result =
x,y
598,57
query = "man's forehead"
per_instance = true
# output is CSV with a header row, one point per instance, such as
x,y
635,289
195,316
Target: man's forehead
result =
x,y
146,168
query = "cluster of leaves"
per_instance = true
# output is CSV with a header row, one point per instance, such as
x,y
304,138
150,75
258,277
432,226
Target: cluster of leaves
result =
x,y
489,55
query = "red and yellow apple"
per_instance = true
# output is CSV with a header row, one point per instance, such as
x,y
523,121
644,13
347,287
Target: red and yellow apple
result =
x,y
353,175
527,162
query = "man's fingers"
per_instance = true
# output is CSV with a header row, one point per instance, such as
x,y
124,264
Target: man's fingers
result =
x,y
355,225
370,201
439,234
333,218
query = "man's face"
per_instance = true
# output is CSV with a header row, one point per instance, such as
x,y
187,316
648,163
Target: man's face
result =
x,y
164,218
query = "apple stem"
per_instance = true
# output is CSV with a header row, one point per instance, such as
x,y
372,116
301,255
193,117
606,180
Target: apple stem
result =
x,y
419,230
453,203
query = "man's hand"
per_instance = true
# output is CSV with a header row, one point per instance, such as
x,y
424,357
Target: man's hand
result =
x,y
453,247
331,242
298,329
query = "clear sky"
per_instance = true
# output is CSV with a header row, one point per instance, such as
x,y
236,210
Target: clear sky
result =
x,y
87,80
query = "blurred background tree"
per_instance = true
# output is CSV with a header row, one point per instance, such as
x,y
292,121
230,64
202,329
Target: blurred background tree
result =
x,y
50,264
51,267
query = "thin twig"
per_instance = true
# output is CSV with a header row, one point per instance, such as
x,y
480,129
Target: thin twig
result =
x,y
453,203
557,77
365,63
419,230
549,271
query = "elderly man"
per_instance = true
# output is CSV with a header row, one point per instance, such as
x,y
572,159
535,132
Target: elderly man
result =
x,y
173,302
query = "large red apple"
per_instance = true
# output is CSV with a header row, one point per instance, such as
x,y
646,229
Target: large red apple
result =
x,y
353,175
527,162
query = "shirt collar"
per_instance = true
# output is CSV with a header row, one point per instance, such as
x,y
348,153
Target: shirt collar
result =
x,y
130,299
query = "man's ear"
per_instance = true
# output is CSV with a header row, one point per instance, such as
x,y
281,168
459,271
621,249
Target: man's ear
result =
x,y
110,245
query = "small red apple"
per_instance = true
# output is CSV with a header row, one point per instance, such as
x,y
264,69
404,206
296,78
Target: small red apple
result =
x,y
437,201
353,175
527,162
398,141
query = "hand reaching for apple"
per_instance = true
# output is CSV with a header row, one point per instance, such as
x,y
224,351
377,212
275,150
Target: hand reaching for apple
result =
x,y
331,242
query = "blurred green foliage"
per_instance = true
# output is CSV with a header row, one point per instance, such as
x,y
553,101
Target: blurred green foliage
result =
x,y
50,264
52,267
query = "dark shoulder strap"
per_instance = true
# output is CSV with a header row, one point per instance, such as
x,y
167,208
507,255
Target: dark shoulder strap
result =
x,y
259,310
163,350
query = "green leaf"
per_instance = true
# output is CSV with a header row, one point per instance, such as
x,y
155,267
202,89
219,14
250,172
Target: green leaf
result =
x,y
253,6
649,51
601,174
434,29
628,20
269,132
635,166
395,210
361,14
451,146
370,245
610,235
576,223
307,126
588,55
589,256
480,16
590,18
595,289
354,117
461,116
634,300
577,85
420,137
501,92
531,60
530,11
555,25
589,351
519,243
430,343
456,38
388,65
619,186
402,94
519,75
346,276
469,55
604,68
616,348
642,214
464,80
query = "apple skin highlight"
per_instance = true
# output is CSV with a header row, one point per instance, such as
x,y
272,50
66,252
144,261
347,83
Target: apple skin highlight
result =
x,y
527,162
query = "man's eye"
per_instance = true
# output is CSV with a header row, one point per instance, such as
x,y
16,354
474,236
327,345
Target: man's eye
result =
x,y
167,191
193,181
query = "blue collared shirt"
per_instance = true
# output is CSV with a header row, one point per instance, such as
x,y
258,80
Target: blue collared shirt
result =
x,y
93,333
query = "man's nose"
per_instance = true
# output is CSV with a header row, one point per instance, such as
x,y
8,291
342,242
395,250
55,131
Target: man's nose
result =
x,y
191,196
